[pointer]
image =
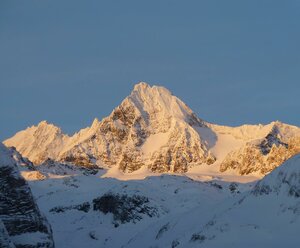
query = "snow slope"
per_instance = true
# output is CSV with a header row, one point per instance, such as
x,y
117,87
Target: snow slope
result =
x,y
266,216
175,211
68,202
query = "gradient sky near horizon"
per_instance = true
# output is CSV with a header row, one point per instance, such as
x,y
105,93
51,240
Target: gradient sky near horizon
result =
x,y
232,62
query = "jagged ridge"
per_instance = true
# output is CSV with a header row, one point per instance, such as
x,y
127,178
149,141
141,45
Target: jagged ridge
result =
x,y
152,128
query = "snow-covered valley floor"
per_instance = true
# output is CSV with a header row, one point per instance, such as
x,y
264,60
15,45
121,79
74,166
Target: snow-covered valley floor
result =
x,y
87,210
67,202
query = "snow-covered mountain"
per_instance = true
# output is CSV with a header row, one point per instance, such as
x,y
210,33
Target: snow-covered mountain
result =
x,y
21,222
75,181
154,131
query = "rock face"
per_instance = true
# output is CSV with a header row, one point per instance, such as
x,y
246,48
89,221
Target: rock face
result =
x,y
153,129
264,155
24,223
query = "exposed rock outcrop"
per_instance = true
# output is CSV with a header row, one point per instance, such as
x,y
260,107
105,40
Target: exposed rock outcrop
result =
x,y
124,208
263,155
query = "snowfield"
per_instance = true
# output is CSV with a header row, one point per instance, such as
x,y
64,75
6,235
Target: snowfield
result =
x,y
168,196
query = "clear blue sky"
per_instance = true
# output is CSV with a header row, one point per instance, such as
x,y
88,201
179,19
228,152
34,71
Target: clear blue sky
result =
x,y
232,62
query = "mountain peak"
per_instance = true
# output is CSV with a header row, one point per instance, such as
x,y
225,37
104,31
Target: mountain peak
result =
x,y
95,123
157,99
46,125
43,123
144,89
141,86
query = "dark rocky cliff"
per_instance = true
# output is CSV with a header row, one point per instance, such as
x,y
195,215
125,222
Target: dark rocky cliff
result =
x,y
22,219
